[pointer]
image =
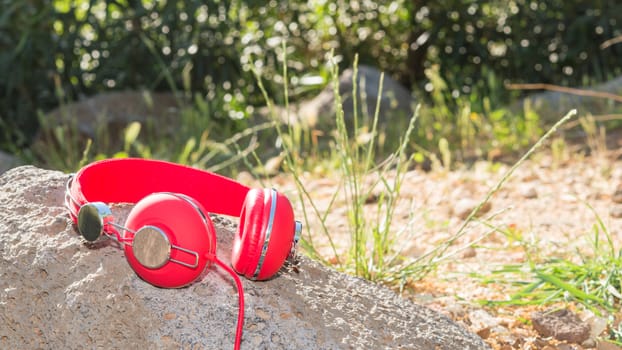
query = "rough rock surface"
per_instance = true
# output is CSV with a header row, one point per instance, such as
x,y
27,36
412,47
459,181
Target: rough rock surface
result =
x,y
58,292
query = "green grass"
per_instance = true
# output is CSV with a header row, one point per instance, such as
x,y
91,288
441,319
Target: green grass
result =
x,y
593,280
373,251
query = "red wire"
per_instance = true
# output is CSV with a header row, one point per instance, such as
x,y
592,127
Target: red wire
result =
x,y
238,331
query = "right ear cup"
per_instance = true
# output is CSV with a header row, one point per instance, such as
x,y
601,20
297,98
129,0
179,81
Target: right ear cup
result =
x,y
265,234
162,219
246,244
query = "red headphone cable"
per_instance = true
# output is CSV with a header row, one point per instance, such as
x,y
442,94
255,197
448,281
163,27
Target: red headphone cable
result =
x,y
238,331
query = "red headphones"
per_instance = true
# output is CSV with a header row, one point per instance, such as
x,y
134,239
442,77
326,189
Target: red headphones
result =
x,y
168,238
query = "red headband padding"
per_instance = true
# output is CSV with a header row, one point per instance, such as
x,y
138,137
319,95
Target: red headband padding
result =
x,y
128,180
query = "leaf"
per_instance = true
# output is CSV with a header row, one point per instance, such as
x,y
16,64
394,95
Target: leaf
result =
x,y
131,134
185,154
575,292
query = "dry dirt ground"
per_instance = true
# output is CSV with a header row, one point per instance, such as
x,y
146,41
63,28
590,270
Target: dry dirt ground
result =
x,y
546,202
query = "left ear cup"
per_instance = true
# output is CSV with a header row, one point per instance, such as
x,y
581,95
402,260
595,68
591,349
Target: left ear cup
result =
x,y
258,232
183,222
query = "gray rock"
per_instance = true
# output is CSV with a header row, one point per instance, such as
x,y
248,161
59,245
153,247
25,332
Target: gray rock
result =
x,y
58,292
7,162
528,191
110,112
396,102
561,324
551,105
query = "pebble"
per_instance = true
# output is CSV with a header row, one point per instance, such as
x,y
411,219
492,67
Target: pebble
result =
x,y
482,322
605,345
616,212
465,206
568,347
597,324
562,324
589,343
528,191
469,252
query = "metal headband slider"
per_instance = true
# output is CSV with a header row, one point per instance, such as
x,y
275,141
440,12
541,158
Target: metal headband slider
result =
x,y
297,234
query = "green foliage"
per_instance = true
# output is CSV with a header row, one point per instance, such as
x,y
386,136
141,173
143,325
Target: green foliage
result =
x,y
473,127
59,50
519,41
54,51
25,68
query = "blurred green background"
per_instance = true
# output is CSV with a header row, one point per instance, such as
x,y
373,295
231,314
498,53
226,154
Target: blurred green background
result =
x,y
52,52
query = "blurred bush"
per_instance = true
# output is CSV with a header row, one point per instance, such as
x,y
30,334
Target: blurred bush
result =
x,y
59,50
481,45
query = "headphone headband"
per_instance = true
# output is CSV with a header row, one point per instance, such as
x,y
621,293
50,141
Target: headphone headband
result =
x,y
128,180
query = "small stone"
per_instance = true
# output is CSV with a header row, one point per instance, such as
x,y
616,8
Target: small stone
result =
x,y
616,212
482,322
597,324
589,343
285,315
528,191
262,314
469,252
542,344
465,206
605,345
617,196
561,324
454,310
569,347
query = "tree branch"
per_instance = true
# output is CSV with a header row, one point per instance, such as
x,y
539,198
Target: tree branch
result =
x,y
567,90
610,42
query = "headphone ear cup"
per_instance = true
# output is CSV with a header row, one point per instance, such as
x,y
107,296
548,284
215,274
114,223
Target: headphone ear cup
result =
x,y
257,232
247,241
182,221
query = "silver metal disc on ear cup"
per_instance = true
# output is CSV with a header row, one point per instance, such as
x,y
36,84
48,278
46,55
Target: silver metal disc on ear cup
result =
x,y
92,218
151,247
